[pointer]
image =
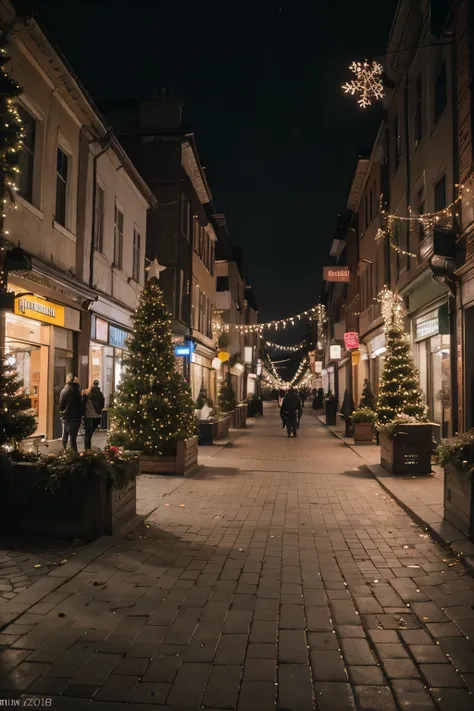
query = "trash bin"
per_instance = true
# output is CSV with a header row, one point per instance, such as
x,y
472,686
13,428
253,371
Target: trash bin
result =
x,y
331,411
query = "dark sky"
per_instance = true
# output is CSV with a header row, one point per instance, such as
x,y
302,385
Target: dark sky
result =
x,y
260,81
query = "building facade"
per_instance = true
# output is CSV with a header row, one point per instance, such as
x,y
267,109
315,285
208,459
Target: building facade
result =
x,y
61,304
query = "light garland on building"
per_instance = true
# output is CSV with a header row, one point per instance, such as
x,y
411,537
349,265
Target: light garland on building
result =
x,y
428,220
367,82
280,323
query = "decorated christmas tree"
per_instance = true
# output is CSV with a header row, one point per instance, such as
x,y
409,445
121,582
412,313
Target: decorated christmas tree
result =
x,y
399,390
153,407
368,396
227,400
16,421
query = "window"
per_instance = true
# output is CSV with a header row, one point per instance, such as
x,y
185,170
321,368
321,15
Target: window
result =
x,y
440,93
440,194
27,157
213,258
398,140
418,116
196,234
136,255
185,217
376,199
62,169
99,218
371,205
118,238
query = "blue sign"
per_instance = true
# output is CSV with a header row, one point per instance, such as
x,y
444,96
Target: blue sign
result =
x,y
184,349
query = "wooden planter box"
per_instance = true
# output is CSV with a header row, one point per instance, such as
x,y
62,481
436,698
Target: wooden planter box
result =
x,y
255,408
96,509
459,500
183,463
239,416
410,449
213,430
363,432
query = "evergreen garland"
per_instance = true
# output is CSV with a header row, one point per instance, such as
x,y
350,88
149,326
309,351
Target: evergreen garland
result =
x,y
11,131
153,407
399,391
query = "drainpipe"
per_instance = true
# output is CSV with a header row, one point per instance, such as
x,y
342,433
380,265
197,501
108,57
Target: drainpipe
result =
x,y
104,139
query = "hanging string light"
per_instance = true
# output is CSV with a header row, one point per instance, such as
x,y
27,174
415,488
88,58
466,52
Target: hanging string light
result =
x,y
286,349
280,323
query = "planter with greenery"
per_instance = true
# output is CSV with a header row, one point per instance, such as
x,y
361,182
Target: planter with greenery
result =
x,y
457,457
84,495
363,420
405,433
214,429
153,412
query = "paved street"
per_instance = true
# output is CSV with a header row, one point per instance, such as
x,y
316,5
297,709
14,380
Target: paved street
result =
x,y
283,576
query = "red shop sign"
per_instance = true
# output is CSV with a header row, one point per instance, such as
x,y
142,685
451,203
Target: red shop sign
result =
x,y
351,340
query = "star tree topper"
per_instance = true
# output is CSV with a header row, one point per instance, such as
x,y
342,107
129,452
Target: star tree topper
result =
x,y
155,269
367,82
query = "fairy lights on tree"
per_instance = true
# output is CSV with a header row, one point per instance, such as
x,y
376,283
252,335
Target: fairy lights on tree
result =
x,y
367,82
399,390
153,407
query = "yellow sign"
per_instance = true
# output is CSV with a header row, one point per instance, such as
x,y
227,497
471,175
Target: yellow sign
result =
x,y
39,309
355,357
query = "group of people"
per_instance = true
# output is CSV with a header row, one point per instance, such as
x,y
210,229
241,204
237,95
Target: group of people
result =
x,y
75,406
291,409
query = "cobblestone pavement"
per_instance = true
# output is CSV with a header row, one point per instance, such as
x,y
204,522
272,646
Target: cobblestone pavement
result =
x,y
281,577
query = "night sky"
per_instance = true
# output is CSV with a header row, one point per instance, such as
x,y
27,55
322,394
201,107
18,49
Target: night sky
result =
x,y
260,82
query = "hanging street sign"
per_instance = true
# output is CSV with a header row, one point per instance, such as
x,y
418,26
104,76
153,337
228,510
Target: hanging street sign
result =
x,y
351,340
184,349
335,352
336,273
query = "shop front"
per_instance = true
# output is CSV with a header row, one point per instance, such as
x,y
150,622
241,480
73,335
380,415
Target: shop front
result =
x,y
107,350
432,353
40,345
375,360
203,375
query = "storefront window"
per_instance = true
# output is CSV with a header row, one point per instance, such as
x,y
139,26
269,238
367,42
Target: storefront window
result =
x,y
441,377
119,368
63,366
102,369
27,354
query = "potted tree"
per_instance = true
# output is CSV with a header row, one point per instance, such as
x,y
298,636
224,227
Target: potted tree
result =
x,y
363,420
255,405
153,412
227,401
364,417
457,457
16,419
405,433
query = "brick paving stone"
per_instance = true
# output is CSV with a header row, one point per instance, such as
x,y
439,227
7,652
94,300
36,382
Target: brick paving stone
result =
x,y
322,640
231,649
374,698
328,666
449,699
391,651
23,676
357,651
333,696
411,694
400,669
151,693
291,618
161,669
223,687
257,695
295,689
260,670
441,675
428,654
189,684
292,648
117,688
238,621
366,676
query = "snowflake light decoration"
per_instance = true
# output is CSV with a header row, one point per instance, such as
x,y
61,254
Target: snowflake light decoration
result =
x,y
367,82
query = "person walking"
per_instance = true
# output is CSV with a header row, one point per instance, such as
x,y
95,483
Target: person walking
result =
x,y
293,410
71,409
93,404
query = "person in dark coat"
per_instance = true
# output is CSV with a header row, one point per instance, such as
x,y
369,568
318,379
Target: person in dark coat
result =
x,y
71,409
347,409
93,403
292,408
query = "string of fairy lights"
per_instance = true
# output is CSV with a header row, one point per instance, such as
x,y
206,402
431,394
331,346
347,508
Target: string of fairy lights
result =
x,y
285,349
271,377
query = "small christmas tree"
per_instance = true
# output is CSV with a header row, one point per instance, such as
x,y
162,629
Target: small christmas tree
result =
x,y
227,400
399,391
16,422
153,407
202,399
368,396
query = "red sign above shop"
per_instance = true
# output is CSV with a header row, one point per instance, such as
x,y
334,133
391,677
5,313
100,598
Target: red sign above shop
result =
x,y
351,340
336,273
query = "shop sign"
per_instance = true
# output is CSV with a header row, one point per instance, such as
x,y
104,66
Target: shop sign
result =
x,y
351,340
335,352
39,309
318,366
336,274
427,325
101,330
355,357
117,336
185,349
248,355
